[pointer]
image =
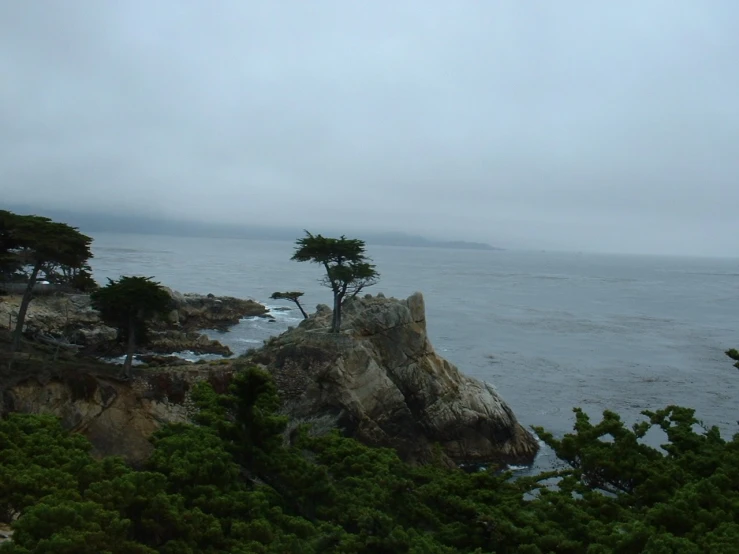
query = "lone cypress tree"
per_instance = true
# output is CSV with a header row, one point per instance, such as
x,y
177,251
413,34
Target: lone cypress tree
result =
x,y
348,269
128,304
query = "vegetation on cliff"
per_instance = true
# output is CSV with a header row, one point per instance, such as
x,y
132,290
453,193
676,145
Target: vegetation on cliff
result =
x,y
237,481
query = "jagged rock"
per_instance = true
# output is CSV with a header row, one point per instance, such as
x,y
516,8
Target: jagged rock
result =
x,y
197,311
382,380
92,336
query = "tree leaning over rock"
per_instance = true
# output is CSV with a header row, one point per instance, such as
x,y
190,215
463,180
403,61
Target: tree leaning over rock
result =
x,y
128,304
30,243
348,269
292,296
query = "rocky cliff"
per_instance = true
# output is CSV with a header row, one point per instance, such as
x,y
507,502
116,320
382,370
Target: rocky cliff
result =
x,y
382,381
379,380
118,417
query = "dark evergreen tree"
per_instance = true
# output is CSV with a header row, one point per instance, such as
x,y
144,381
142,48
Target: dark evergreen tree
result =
x,y
128,304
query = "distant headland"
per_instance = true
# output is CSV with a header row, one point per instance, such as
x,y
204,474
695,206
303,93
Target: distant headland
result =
x,y
92,222
403,239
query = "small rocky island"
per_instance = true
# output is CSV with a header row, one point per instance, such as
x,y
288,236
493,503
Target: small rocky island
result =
x,y
378,380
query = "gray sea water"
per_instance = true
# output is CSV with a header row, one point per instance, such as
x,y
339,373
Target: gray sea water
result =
x,y
549,330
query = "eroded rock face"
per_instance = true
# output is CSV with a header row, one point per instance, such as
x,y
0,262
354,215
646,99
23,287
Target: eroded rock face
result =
x,y
118,417
386,386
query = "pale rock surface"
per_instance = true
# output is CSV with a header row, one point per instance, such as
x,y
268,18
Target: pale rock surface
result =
x,y
206,311
384,383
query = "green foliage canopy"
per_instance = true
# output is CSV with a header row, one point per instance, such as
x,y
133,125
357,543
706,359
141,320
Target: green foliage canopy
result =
x,y
236,482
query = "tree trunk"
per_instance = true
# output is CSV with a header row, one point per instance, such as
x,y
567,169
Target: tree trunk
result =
x,y
23,309
336,319
300,307
130,348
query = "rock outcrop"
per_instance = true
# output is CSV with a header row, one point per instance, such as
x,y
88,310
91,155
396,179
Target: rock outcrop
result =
x,y
197,311
72,319
382,381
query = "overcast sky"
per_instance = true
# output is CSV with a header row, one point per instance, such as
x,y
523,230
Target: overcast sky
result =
x,y
577,125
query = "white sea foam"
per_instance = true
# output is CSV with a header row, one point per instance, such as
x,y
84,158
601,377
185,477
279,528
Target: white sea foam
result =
x,y
278,307
284,313
121,359
190,356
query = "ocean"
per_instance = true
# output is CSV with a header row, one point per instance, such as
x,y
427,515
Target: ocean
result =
x,y
550,331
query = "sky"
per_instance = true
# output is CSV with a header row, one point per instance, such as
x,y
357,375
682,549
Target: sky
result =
x,y
569,125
